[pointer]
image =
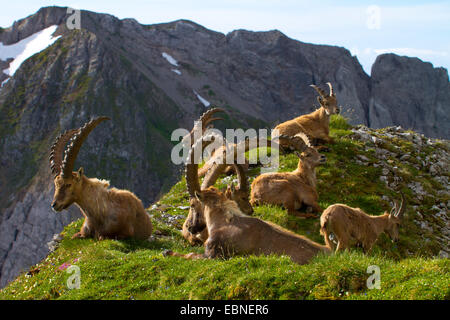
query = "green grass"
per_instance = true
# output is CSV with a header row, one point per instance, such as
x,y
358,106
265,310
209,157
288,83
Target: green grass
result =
x,y
132,269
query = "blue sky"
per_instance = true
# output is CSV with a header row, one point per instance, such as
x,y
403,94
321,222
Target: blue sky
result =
x,y
366,28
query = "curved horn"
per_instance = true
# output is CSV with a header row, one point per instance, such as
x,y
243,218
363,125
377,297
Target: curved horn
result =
x,y
331,89
213,174
304,137
191,170
205,119
242,177
76,142
394,209
319,91
401,210
297,142
57,149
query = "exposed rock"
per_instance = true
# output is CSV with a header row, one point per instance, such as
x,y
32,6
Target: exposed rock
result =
x,y
406,91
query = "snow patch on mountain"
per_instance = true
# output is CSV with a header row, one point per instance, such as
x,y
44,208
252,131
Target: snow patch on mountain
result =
x,y
170,59
202,100
25,48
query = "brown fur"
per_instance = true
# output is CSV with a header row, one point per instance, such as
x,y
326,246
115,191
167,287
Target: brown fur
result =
x,y
108,212
233,233
290,189
199,234
219,156
315,124
352,226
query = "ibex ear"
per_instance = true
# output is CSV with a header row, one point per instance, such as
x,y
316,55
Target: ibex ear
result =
x,y
80,173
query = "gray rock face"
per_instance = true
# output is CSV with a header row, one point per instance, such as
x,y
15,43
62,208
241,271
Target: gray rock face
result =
x,y
410,93
116,68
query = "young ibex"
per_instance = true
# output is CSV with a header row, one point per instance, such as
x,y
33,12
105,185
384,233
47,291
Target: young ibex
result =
x,y
351,226
239,194
108,212
232,233
291,189
316,124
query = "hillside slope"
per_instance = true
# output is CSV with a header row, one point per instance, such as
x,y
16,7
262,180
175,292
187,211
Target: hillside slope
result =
x,y
362,169
151,79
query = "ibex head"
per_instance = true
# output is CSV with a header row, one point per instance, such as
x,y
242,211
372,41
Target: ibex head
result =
x,y
68,184
328,102
309,155
395,219
240,193
210,197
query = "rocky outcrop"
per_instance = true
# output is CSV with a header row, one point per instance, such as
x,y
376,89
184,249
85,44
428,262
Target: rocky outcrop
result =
x,y
411,93
431,159
149,80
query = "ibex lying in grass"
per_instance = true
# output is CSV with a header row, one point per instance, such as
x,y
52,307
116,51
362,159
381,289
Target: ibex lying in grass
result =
x,y
351,226
232,233
316,124
291,189
239,194
109,213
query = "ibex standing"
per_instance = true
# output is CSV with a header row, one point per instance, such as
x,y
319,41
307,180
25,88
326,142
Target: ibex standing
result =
x,y
316,124
293,189
352,226
109,213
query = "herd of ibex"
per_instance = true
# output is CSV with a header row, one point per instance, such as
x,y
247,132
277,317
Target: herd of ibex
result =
x,y
222,221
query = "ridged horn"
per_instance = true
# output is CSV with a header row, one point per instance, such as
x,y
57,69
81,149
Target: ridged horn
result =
x,y
205,119
304,137
56,151
401,210
213,174
331,89
242,177
191,170
294,141
76,142
319,91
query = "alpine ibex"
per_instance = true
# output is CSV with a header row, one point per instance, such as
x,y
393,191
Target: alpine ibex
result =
x,y
316,124
216,163
232,233
239,194
291,189
108,212
352,226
